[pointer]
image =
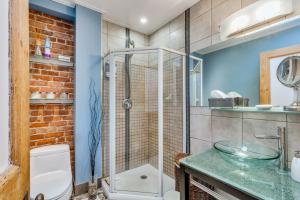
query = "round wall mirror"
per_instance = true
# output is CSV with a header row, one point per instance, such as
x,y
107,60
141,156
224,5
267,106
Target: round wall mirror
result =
x,y
288,71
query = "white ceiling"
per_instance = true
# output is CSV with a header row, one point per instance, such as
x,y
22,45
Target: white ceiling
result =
x,y
129,12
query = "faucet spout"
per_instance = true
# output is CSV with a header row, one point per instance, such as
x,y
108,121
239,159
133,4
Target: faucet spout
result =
x,y
283,148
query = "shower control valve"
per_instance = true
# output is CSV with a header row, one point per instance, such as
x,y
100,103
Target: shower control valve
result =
x,y
127,104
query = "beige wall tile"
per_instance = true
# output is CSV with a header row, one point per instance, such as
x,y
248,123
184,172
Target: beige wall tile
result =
x,y
177,23
177,39
220,113
201,127
161,42
199,146
115,42
200,8
224,128
216,38
293,118
253,127
201,44
222,11
116,30
293,139
104,26
296,8
200,111
201,27
162,32
246,3
104,44
138,38
217,2
265,116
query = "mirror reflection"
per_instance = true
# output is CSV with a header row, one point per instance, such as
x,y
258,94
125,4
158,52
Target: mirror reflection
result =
x,y
253,74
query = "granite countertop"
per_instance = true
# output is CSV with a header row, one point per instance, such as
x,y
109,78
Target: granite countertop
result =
x,y
258,178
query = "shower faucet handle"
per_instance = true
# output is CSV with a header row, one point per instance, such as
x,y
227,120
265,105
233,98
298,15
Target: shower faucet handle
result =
x,y
127,104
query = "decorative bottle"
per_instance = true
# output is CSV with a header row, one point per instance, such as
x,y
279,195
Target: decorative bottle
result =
x,y
38,51
47,51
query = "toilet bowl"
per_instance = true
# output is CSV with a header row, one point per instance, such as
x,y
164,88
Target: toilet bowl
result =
x,y
50,172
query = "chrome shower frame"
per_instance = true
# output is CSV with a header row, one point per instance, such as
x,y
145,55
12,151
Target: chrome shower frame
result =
x,y
112,113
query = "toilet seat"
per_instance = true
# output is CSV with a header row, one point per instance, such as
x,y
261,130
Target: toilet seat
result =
x,y
172,195
55,185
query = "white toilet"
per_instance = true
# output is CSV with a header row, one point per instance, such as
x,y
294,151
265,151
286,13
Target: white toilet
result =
x,y
172,195
50,172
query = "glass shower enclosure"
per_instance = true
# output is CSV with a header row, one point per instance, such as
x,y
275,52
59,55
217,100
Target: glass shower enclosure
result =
x,y
144,126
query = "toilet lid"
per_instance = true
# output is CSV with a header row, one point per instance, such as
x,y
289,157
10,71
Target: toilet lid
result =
x,y
172,195
52,185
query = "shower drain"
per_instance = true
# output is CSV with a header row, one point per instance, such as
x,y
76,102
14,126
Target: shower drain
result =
x,y
143,177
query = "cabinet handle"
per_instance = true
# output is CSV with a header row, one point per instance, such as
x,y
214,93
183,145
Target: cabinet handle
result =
x,y
207,190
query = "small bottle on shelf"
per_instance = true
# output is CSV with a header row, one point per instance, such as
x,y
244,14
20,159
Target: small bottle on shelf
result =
x,y
47,51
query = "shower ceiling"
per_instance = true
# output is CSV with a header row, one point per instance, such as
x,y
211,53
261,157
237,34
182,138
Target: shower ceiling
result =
x,y
128,13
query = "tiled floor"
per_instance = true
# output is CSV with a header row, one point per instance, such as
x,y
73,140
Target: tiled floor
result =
x,y
85,196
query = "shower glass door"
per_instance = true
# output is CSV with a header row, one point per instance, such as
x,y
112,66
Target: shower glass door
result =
x,y
134,137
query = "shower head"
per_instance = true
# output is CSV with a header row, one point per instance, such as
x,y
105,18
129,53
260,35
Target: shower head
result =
x,y
131,42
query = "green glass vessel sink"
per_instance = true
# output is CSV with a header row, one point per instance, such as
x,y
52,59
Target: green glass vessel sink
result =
x,y
246,151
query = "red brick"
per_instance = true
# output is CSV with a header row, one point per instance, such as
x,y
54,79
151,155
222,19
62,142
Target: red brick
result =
x,y
35,125
36,137
48,72
58,134
44,19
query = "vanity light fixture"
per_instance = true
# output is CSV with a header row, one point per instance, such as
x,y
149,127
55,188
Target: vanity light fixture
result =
x,y
144,20
253,15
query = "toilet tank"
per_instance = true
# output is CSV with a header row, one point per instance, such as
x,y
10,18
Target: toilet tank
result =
x,y
50,158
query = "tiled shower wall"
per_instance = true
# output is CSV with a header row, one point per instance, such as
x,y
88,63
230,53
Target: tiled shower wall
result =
x,y
209,126
51,123
139,136
113,37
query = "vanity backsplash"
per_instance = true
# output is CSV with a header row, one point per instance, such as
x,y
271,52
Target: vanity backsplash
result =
x,y
209,126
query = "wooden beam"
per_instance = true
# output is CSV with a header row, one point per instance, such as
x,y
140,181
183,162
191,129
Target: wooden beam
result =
x,y
15,181
8,181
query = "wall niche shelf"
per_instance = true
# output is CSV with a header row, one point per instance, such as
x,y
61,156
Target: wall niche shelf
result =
x,y
254,110
50,61
51,101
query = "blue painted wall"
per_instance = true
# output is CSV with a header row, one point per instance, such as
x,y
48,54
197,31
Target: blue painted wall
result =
x,y
88,64
238,68
53,8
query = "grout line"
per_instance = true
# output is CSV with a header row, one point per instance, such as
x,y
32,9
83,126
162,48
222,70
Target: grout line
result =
x,y
201,139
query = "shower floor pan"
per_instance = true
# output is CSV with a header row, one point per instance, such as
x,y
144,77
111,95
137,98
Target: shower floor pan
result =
x,y
138,183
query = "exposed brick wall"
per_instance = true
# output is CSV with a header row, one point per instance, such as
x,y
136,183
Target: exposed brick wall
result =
x,y
51,123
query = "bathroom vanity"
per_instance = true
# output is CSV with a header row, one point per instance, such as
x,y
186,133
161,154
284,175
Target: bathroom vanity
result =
x,y
255,178
258,179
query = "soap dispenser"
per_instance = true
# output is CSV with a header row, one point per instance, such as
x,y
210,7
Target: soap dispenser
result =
x,y
295,169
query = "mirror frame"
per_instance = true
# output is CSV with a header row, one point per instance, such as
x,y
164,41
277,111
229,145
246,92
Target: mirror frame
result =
x,y
265,57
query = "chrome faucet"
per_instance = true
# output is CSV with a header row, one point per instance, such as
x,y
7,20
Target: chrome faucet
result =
x,y
282,146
